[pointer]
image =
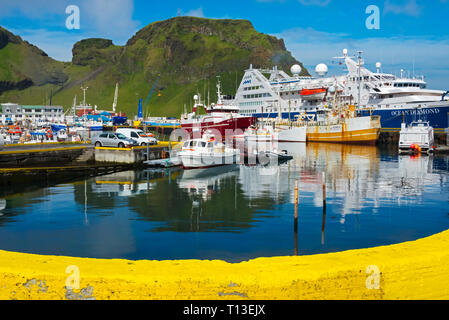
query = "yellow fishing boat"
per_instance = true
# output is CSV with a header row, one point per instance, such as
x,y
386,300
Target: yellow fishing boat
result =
x,y
342,125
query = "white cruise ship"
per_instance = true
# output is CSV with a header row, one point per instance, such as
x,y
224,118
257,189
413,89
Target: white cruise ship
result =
x,y
273,93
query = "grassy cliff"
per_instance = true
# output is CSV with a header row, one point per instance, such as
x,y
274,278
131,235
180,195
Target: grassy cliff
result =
x,y
184,54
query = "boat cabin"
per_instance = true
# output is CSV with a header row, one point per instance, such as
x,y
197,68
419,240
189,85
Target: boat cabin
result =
x,y
418,136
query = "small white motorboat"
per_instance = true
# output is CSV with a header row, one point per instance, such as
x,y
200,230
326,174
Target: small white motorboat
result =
x,y
207,152
418,137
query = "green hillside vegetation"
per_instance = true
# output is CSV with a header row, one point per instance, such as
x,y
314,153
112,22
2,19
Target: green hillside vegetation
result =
x,y
185,53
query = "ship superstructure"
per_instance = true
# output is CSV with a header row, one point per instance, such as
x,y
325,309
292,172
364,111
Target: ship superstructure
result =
x,y
272,93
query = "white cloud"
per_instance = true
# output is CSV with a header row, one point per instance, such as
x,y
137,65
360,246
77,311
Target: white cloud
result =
x,y
199,13
320,3
410,7
57,44
32,8
109,18
428,56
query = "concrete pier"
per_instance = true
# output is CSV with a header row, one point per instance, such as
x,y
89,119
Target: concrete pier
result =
x,y
25,155
128,156
77,153
392,137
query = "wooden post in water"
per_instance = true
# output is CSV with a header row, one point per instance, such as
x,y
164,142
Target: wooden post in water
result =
x,y
296,205
296,216
324,209
324,190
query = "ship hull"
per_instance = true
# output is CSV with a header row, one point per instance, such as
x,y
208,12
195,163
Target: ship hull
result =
x,y
295,134
391,118
229,126
360,130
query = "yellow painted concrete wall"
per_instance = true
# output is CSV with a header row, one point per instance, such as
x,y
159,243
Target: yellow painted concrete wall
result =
x,y
413,270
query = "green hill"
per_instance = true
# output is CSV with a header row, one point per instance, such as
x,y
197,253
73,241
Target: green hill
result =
x,y
184,54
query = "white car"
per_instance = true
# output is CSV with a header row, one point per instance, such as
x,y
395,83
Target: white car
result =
x,y
136,134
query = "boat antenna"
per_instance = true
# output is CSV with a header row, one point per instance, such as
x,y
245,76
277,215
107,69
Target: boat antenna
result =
x,y
74,106
84,91
218,91
208,92
359,65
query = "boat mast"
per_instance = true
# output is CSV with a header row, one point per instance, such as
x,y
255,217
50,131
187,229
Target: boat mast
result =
x,y
114,104
359,59
74,107
84,91
289,106
219,102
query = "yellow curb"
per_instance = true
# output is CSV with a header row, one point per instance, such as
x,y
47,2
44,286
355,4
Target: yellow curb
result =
x,y
161,144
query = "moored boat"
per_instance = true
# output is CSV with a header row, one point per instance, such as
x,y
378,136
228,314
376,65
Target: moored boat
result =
x,y
207,152
221,118
417,137
344,126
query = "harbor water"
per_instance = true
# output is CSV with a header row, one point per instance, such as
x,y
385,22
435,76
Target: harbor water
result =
x,y
374,197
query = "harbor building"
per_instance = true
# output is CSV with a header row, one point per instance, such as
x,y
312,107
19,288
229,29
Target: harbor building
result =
x,y
12,113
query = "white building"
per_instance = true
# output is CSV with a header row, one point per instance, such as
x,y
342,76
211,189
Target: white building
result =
x,y
11,112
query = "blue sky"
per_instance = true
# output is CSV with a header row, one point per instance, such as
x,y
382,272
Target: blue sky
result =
x,y
413,34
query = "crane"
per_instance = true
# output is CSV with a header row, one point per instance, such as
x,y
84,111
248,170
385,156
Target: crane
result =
x,y
151,92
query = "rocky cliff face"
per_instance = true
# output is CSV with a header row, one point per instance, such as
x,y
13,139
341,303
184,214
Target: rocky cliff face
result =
x,y
23,65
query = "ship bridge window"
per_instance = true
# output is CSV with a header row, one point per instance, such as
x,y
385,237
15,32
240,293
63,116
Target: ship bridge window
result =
x,y
251,88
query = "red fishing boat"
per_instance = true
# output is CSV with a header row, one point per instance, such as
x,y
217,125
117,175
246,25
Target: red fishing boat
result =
x,y
220,118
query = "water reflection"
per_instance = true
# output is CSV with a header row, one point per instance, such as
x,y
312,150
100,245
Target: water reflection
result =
x,y
2,206
373,198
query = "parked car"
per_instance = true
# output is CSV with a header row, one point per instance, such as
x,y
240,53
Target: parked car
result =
x,y
141,137
114,140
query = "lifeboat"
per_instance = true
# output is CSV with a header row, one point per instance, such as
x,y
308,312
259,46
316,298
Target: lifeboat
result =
x,y
313,94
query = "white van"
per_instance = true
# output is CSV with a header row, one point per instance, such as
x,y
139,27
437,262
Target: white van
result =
x,y
136,134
